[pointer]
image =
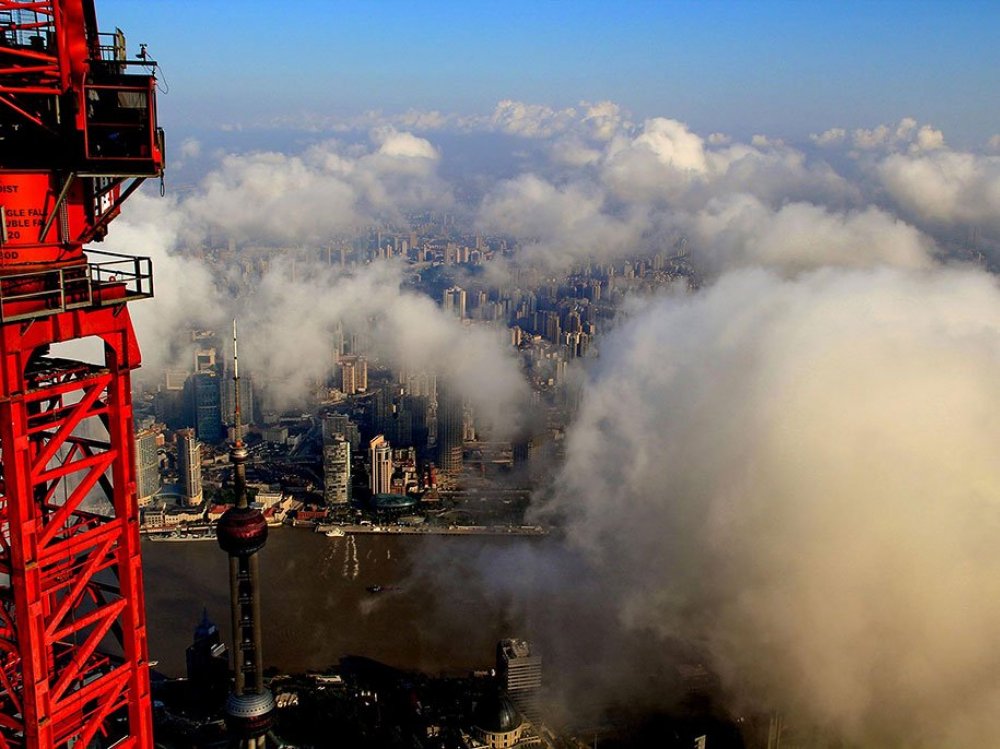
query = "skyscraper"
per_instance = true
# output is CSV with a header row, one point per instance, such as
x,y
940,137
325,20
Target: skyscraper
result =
x,y
341,424
247,415
520,673
450,417
169,401
147,466
337,470
353,374
204,358
242,533
189,466
380,459
419,383
207,666
207,400
454,302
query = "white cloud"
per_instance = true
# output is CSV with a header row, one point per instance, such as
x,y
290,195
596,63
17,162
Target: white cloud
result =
x,y
800,476
328,189
740,230
763,141
668,162
531,120
928,139
949,188
273,197
573,151
813,440
603,120
559,224
907,134
190,148
185,290
833,136
405,145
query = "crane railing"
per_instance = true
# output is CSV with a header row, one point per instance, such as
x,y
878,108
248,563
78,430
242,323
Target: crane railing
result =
x,y
110,278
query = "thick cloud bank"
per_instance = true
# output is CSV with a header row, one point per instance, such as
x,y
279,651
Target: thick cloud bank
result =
x,y
275,197
740,230
801,476
948,188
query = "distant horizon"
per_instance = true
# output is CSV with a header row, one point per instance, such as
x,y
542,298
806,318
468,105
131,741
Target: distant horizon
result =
x,y
778,68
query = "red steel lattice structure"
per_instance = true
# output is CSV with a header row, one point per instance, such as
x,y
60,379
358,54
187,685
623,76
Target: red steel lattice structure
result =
x,y
78,135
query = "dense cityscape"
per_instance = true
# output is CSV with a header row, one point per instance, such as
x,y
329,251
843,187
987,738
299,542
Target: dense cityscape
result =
x,y
373,436
490,376
378,450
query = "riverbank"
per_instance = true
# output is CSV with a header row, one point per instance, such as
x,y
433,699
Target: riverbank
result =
x,y
207,532
435,530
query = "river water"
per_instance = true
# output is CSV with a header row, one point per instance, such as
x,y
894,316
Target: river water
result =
x,y
316,608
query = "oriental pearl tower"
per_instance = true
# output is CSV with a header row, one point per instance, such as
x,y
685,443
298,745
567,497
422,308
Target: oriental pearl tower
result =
x,y
242,532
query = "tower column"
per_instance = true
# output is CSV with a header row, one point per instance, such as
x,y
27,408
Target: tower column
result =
x,y
242,533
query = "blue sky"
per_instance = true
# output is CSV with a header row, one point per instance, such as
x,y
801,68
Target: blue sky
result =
x,y
777,67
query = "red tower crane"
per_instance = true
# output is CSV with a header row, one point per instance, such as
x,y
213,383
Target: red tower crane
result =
x,y
78,134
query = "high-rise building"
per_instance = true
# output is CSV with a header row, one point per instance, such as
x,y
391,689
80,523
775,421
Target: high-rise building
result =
x,y
380,411
552,328
454,302
147,466
207,666
402,426
450,418
380,460
171,402
337,470
353,374
417,407
246,402
207,401
189,466
520,673
204,358
419,383
174,378
341,424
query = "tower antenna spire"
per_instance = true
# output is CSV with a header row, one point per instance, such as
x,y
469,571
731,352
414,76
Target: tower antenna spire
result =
x,y
237,421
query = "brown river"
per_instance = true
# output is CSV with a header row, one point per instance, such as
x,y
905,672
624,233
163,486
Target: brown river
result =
x,y
317,608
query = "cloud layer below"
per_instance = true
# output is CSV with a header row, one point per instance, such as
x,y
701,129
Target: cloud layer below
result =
x,y
799,475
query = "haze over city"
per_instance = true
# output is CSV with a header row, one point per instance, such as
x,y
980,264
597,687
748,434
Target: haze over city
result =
x,y
771,232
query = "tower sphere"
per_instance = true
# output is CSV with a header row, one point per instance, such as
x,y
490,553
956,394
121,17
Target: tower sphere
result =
x,y
250,714
242,531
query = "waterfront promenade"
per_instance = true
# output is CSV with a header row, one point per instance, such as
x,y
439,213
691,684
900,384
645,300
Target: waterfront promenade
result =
x,y
206,532
438,530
